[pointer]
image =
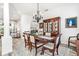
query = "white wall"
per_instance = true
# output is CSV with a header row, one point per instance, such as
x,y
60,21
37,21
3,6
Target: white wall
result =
x,y
6,39
65,12
25,23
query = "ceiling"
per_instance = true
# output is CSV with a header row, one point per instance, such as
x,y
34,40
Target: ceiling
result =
x,y
16,9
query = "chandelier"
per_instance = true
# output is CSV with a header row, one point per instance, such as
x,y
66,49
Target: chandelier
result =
x,y
37,16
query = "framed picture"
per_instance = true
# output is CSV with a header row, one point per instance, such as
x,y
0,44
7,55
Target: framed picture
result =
x,y
71,22
40,25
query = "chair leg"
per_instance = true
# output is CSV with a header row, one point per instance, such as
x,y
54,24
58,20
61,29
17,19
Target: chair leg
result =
x,y
25,43
36,51
69,42
57,52
53,53
30,47
42,53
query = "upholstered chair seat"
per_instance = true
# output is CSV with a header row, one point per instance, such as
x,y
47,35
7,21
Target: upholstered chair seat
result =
x,y
49,45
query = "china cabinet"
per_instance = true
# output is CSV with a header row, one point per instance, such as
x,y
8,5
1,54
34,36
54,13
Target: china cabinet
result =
x,y
51,26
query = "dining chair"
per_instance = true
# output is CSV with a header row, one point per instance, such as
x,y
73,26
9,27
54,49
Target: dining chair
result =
x,y
52,46
35,43
78,36
26,39
72,40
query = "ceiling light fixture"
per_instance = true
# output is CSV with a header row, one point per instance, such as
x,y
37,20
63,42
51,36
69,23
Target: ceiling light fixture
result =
x,y
37,16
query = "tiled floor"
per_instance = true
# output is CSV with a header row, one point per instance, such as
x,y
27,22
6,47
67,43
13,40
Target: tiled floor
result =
x,y
20,50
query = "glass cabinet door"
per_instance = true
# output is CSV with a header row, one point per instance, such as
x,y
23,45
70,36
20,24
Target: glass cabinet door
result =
x,y
50,27
55,26
45,27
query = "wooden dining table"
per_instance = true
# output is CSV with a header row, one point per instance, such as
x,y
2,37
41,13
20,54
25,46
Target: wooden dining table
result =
x,y
45,38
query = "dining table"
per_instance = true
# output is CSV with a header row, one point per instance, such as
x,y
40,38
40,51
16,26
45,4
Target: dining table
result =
x,y
45,38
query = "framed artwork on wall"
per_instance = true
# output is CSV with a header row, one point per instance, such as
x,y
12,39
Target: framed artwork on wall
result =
x,y
71,22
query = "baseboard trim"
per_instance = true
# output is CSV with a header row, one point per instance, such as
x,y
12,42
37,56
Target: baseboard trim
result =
x,y
8,54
